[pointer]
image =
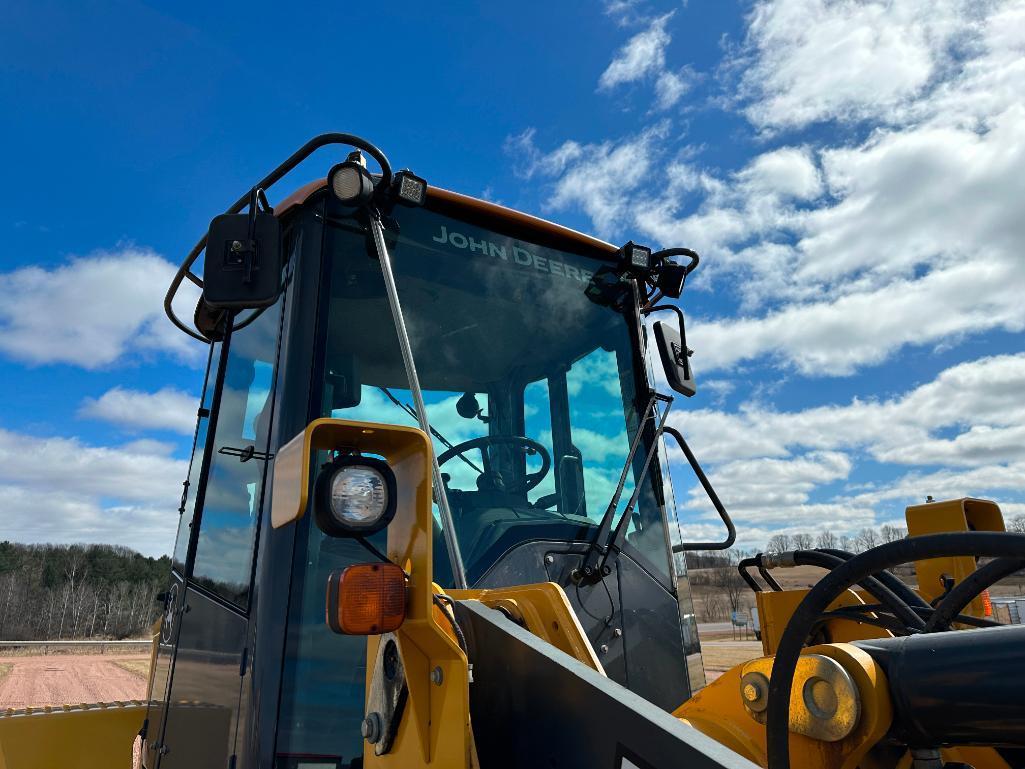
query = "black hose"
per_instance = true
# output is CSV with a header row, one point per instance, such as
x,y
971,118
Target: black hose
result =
x,y
884,621
742,567
977,543
892,581
967,589
871,584
747,563
769,580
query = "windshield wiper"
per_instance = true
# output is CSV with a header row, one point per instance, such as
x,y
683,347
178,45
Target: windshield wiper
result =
x,y
409,410
606,541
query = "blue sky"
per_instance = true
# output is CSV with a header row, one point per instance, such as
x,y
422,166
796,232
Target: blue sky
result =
x,y
849,172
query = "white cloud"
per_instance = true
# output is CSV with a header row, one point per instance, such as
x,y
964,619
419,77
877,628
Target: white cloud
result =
x,y
91,311
863,328
670,88
813,60
63,490
974,397
165,409
598,178
642,55
963,433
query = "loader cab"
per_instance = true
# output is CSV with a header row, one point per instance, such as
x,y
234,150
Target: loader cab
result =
x,y
532,358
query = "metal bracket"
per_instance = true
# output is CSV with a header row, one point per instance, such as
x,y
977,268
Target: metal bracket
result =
x,y
387,697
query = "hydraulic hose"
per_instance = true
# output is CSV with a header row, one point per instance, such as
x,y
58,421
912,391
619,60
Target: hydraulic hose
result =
x,y
967,589
872,585
892,581
978,543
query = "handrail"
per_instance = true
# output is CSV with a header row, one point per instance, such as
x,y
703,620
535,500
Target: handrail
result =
x,y
185,270
731,530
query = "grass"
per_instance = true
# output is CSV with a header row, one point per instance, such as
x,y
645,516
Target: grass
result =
x,y
137,667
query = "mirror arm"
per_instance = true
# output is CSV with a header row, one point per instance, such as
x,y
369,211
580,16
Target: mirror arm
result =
x,y
731,531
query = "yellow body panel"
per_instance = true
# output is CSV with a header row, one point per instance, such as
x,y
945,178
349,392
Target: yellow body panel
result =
x,y
545,611
952,515
718,711
776,607
82,737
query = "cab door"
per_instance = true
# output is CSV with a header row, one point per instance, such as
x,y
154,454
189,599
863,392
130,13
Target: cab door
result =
x,y
211,608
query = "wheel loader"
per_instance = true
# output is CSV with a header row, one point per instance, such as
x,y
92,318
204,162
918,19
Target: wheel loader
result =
x,y
429,522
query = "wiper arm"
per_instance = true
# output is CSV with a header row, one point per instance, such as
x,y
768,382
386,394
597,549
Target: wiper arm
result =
x,y
606,540
409,410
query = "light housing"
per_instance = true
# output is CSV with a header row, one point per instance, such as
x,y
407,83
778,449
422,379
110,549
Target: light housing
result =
x,y
634,258
366,599
350,182
409,189
354,496
670,279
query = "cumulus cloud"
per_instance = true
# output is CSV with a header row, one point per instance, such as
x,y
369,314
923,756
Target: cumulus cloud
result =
x,y
108,304
64,490
813,60
166,409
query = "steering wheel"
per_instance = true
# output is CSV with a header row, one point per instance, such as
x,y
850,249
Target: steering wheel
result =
x,y
485,442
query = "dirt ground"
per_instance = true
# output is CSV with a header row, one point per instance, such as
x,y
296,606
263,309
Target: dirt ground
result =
x,y
33,681
719,656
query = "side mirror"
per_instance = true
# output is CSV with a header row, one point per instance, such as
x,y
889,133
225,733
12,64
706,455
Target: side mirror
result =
x,y
672,348
242,268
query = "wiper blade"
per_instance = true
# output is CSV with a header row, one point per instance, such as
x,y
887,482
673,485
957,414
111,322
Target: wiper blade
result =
x,y
409,410
606,540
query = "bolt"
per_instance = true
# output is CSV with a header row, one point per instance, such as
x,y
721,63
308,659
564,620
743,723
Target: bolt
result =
x,y
617,632
371,728
549,559
236,246
606,570
754,690
604,649
437,676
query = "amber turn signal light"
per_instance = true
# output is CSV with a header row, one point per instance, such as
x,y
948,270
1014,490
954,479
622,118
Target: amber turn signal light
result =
x,y
366,599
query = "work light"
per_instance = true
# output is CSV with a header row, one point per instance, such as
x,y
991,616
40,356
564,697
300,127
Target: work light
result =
x,y
355,496
409,189
635,258
350,181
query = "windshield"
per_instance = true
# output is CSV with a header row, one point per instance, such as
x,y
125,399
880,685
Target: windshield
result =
x,y
528,362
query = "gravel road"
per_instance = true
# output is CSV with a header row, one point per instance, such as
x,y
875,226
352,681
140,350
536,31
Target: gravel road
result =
x,y
60,679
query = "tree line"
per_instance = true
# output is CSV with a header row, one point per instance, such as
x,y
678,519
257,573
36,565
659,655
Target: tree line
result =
x,y
65,592
726,591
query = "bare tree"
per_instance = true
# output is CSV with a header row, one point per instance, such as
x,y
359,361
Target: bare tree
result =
x,y
802,541
867,539
846,542
827,539
890,533
778,543
1017,524
727,580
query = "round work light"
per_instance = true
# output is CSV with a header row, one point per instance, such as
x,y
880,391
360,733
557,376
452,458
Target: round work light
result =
x,y
355,496
350,182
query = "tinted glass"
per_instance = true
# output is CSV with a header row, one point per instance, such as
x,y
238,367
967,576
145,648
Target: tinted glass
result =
x,y
231,502
181,542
